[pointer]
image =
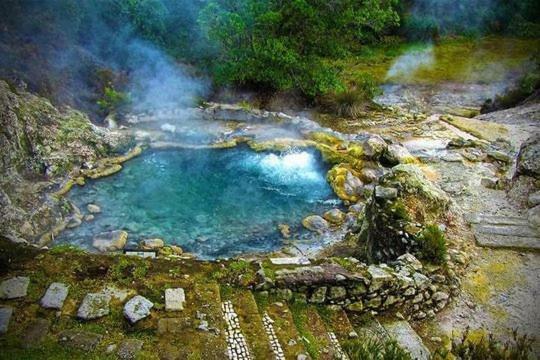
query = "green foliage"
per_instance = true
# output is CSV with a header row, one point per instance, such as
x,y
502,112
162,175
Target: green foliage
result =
x,y
372,349
284,45
127,269
238,272
432,244
112,99
466,348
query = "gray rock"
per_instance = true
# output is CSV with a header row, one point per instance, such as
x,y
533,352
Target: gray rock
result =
x,y
534,199
357,208
55,296
152,244
533,215
369,175
386,193
137,308
408,339
379,277
93,306
529,153
35,333
337,293
315,223
489,182
440,296
335,216
5,316
411,261
174,299
129,349
353,185
93,209
297,260
499,155
82,340
421,280
110,240
397,154
318,296
15,287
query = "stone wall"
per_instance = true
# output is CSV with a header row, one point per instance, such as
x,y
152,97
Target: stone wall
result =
x,y
405,286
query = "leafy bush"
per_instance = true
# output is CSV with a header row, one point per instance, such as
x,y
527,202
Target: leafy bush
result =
x,y
352,101
373,349
285,45
112,99
432,244
466,348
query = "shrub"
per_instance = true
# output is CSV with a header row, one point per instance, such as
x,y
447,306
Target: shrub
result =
x,y
432,244
112,99
352,101
466,348
373,349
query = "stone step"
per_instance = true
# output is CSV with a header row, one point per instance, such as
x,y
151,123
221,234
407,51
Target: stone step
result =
x,y
367,327
505,230
313,331
408,339
197,329
505,241
478,218
251,322
283,325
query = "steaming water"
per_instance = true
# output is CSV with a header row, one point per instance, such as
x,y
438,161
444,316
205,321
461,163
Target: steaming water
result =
x,y
213,203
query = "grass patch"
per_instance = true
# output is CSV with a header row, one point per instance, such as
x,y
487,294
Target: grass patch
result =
x,y
372,349
432,244
470,347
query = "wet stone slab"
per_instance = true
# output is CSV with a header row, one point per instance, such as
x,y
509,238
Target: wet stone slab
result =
x,y
408,339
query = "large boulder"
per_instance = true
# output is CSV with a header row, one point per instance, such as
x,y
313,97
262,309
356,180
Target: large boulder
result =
x,y
345,182
528,162
316,224
110,240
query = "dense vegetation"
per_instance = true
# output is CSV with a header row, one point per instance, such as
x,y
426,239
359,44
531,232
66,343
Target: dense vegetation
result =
x,y
68,45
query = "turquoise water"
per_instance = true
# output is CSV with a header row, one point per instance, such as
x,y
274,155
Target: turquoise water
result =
x,y
213,203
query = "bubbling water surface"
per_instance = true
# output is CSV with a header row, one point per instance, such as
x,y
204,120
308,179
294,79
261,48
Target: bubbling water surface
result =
x,y
213,203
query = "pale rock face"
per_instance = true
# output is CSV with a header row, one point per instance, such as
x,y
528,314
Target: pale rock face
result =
x,y
175,299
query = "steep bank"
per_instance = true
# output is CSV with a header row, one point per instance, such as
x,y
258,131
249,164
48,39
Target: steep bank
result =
x,y
41,145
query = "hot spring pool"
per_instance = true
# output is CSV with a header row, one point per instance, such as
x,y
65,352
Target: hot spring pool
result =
x,y
212,203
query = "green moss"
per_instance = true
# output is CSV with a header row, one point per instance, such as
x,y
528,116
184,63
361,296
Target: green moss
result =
x,y
301,321
337,178
455,59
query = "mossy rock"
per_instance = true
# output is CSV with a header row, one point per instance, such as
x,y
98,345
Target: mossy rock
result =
x,y
417,191
345,181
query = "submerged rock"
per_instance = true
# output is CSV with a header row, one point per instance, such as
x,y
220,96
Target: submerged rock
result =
x,y
93,209
152,244
110,240
315,223
335,216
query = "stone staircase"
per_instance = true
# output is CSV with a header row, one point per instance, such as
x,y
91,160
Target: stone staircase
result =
x,y
216,322
504,232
